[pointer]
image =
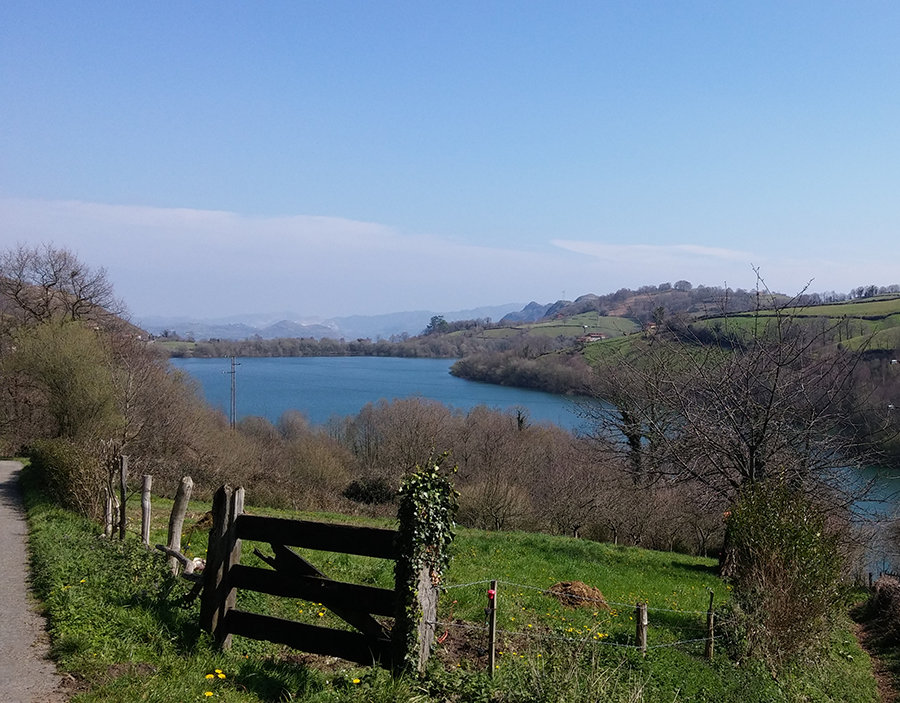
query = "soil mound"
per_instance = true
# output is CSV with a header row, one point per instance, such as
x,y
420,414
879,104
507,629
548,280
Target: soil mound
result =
x,y
577,594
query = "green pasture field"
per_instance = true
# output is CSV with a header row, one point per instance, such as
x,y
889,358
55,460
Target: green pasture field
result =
x,y
881,306
609,348
499,332
120,625
172,346
569,327
575,326
868,309
871,331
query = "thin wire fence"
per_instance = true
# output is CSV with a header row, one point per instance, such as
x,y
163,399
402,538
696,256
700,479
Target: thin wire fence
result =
x,y
619,634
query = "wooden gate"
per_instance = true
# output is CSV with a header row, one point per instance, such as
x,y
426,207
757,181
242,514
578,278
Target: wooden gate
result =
x,y
292,576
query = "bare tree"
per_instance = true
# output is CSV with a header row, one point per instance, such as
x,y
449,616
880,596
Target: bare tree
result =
x,y
732,401
43,282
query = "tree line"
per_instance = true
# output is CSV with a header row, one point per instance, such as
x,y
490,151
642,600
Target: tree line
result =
x,y
455,340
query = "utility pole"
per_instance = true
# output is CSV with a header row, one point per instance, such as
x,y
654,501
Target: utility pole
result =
x,y
233,372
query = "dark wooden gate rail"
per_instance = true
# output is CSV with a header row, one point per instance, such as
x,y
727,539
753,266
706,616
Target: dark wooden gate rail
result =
x,y
294,577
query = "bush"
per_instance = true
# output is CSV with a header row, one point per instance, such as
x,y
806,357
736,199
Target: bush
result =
x,y
784,566
72,476
371,491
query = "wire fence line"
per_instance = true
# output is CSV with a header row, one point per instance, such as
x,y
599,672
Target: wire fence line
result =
x,y
440,587
537,634
592,638
552,592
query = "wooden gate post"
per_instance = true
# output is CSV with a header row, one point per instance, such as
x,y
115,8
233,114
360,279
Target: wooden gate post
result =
x,y
425,531
224,551
710,626
210,600
413,631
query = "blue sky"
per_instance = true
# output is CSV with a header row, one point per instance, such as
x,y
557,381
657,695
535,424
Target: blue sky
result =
x,y
341,158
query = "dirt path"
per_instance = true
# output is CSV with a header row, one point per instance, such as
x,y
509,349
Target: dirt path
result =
x,y
26,674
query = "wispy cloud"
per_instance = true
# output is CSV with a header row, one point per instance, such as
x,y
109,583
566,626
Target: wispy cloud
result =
x,y
213,263
201,262
629,253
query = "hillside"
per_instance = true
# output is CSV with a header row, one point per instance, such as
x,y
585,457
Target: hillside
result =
x,y
873,323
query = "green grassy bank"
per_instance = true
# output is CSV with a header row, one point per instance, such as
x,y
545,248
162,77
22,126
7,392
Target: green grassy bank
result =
x,y
120,625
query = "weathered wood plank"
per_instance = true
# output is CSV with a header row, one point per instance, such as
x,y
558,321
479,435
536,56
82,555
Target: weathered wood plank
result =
x,y
348,539
346,596
291,564
351,646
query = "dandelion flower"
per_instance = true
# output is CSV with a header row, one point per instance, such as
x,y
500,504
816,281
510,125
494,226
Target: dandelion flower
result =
x,y
210,676
221,676
355,680
208,693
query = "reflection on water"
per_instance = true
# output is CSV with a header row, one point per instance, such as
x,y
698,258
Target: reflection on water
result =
x,y
876,512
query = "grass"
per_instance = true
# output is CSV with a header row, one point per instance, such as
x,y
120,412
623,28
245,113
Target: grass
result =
x,y
119,621
873,308
173,346
574,326
585,323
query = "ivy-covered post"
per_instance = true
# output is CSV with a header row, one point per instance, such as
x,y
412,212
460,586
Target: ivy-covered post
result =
x,y
428,504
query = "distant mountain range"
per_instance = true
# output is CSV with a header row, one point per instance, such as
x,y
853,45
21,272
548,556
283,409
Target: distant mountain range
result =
x,y
640,305
289,324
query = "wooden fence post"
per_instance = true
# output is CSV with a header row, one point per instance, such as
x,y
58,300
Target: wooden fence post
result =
x,y
640,616
492,627
710,627
176,519
146,483
108,512
123,487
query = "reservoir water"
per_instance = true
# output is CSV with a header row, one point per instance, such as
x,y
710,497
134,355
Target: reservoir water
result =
x,y
322,387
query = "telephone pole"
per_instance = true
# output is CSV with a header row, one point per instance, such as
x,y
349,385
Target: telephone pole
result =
x,y
233,372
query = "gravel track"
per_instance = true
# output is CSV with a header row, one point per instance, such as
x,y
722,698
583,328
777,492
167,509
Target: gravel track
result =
x,y
26,673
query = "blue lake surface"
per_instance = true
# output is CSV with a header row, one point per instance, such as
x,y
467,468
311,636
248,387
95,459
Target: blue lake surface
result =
x,y
322,387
